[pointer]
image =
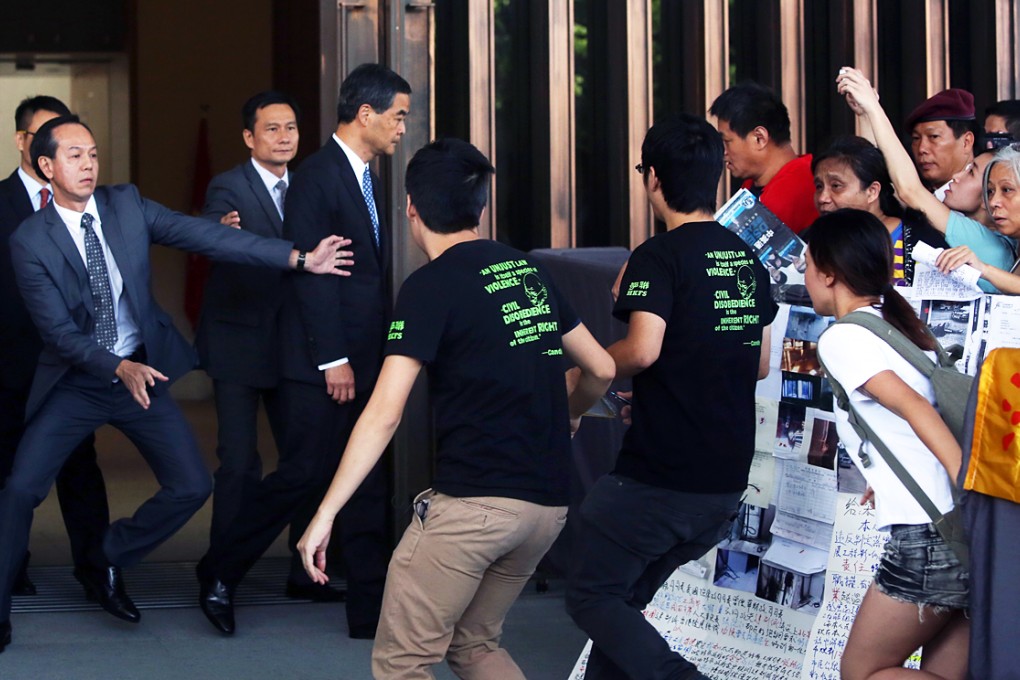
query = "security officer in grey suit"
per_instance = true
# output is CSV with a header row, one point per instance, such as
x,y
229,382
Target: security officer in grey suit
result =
x,y
80,487
237,338
110,351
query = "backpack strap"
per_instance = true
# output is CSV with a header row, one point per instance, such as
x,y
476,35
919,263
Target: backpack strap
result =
x,y
864,431
913,354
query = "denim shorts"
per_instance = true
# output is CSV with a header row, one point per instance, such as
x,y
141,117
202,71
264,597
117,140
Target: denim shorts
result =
x,y
918,567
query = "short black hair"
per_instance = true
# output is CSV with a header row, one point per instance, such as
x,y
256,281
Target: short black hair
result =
x,y
1007,108
448,182
44,143
748,105
260,101
687,154
32,105
372,84
961,126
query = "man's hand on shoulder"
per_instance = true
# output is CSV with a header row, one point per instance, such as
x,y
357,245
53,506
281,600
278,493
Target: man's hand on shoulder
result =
x,y
136,378
231,219
327,258
340,383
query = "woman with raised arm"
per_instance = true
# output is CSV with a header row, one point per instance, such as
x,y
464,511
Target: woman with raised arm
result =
x,y
962,217
852,173
919,595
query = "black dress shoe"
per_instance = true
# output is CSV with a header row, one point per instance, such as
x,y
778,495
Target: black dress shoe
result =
x,y
316,592
5,635
107,586
217,601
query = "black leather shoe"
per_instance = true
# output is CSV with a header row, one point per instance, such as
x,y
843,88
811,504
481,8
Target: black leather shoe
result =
x,y
5,635
107,587
315,592
217,601
22,583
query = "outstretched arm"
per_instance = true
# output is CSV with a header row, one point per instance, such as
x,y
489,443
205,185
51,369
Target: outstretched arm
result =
x,y
368,440
863,100
596,371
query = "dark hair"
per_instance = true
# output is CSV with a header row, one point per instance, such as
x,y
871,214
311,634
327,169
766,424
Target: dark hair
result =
x,y
748,105
1009,109
44,143
687,154
32,105
867,163
961,126
259,101
448,182
854,247
372,84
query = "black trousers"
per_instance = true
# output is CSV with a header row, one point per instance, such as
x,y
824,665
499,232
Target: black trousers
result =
x,y
80,486
78,405
317,429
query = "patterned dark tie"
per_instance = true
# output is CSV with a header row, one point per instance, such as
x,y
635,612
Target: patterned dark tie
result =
x,y
105,330
366,190
44,197
281,193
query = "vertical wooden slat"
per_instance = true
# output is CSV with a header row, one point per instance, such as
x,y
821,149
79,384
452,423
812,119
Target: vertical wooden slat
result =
x,y
349,35
1007,38
792,51
716,66
937,45
557,141
865,45
482,95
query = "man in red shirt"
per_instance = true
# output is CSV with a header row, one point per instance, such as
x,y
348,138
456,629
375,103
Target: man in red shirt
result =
x,y
755,128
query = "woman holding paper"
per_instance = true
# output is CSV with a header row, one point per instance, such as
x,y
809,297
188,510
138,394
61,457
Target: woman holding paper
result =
x,y
1002,203
852,173
962,217
919,595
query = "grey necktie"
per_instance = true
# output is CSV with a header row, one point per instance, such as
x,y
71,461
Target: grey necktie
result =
x,y
281,193
105,330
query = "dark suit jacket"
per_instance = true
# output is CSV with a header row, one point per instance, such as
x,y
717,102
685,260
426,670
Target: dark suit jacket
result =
x,y
54,282
19,340
335,317
237,334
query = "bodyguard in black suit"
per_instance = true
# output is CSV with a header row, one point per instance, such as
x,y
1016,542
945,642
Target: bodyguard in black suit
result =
x,y
80,487
110,351
331,337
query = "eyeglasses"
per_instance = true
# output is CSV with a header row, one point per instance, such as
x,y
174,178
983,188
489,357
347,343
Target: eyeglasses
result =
x,y
640,168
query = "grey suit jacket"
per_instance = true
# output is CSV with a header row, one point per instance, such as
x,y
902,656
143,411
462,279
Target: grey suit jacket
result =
x,y
237,331
54,283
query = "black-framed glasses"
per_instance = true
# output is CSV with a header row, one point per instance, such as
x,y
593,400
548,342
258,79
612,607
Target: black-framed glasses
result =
x,y
640,168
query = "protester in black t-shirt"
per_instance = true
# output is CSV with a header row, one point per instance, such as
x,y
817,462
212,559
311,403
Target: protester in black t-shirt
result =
x,y
698,308
492,331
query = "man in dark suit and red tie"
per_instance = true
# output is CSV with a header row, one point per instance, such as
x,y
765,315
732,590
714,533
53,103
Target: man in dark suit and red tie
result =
x,y
80,487
331,337
110,352
237,338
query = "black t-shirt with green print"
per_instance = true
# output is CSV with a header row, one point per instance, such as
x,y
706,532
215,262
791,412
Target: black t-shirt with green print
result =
x,y
693,409
488,323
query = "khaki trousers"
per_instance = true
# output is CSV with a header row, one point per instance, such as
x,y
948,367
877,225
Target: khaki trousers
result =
x,y
451,581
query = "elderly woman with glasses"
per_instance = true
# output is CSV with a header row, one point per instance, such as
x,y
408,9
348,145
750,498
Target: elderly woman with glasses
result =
x,y
962,217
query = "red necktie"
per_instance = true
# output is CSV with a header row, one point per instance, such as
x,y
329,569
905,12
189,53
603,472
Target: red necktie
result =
x,y
44,197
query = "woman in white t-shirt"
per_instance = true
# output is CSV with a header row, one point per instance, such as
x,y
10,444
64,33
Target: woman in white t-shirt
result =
x,y
919,595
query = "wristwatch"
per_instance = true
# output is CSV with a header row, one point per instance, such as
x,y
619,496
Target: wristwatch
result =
x,y
301,261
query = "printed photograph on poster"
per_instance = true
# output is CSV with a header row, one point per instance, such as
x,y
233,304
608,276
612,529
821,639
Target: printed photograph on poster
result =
x,y
805,325
765,413
824,440
736,570
700,568
761,479
949,320
848,478
790,430
751,531
809,390
799,592
800,356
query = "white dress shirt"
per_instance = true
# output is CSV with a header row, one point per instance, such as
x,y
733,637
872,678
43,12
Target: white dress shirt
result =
x,y
128,335
271,181
33,188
